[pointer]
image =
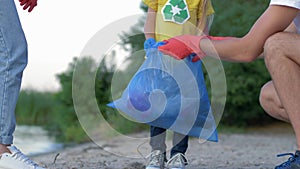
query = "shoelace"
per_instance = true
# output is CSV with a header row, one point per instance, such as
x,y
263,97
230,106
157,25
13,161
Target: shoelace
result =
x,y
154,158
287,163
18,155
178,161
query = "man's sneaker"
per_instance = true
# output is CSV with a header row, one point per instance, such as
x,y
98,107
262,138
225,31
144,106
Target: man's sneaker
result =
x,y
178,161
16,160
292,163
156,160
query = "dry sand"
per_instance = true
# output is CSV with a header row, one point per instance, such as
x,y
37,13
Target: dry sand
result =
x,y
255,148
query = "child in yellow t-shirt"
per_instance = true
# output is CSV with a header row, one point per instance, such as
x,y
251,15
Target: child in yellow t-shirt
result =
x,y
166,19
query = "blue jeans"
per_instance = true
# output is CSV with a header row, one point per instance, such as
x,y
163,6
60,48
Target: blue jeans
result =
x,y
158,138
13,60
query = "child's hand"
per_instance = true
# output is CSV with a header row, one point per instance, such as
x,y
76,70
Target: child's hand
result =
x,y
28,4
149,46
149,43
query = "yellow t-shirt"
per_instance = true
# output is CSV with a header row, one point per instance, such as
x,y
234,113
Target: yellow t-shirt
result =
x,y
166,29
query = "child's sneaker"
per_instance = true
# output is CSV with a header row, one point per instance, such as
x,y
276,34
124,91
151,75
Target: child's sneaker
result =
x,y
178,161
292,163
156,160
16,160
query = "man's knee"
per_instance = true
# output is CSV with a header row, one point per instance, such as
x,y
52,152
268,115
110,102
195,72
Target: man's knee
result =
x,y
275,46
268,96
265,94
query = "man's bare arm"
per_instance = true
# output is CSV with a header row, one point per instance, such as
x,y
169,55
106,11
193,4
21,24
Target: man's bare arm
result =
x,y
275,19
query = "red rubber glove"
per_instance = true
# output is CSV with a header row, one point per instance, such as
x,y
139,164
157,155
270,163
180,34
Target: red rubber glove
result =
x,y
183,46
28,4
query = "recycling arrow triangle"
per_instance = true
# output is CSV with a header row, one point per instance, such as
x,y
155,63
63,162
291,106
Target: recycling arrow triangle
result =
x,y
176,11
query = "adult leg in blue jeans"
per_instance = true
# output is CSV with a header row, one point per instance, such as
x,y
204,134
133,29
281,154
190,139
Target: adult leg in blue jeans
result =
x,y
13,60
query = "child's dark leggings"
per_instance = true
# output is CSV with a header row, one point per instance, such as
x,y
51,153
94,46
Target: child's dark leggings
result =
x,y
158,138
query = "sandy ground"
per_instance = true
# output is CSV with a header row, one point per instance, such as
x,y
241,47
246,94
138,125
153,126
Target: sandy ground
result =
x,y
255,148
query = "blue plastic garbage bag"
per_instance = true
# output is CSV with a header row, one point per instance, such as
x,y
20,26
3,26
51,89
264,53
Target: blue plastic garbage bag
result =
x,y
170,94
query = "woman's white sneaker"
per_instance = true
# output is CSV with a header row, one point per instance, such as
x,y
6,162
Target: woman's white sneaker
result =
x,y
17,160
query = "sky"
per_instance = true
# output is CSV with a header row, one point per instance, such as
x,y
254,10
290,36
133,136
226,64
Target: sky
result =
x,y
57,31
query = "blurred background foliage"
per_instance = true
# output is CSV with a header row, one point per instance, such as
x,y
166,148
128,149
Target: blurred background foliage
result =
x,y
244,80
55,111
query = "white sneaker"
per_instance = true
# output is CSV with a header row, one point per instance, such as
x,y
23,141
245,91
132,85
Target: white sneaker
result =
x,y
16,160
178,161
155,160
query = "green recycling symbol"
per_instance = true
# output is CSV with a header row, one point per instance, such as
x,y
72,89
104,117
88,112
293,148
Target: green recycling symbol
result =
x,y
176,11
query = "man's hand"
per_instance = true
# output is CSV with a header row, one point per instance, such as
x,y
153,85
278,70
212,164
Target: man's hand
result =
x,y
183,46
28,4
